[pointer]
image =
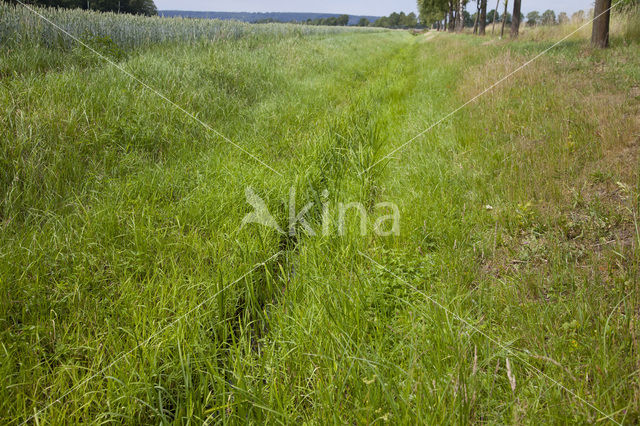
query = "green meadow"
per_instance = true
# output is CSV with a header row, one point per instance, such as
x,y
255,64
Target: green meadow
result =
x,y
131,292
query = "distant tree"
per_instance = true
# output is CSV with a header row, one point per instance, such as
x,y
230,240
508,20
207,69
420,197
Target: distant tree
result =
x,y
549,17
467,20
333,21
491,15
266,21
432,11
401,20
363,22
453,11
141,7
533,18
602,16
578,17
563,18
411,20
393,20
381,22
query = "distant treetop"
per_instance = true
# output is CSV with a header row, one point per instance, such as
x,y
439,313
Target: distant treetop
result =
x,y
398,20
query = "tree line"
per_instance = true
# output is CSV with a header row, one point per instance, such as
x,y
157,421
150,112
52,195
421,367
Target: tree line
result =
x,y
449,15
135,7
395,20
333,21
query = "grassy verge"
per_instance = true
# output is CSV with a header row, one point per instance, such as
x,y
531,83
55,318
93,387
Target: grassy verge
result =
x,y
519,215
114,199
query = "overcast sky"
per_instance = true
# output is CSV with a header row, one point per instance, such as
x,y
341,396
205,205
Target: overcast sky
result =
x,y
351,7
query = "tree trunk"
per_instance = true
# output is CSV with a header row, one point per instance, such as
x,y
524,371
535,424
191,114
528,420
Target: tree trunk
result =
x,y
459,17
504,17
602,16
495,11
475,24
515,19
451,18
483,17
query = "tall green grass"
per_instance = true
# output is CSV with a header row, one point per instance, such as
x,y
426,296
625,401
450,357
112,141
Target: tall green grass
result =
x,y
140,220
629,24
22,27
121,246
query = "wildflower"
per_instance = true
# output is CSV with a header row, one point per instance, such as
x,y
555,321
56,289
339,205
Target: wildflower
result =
x,y
369,382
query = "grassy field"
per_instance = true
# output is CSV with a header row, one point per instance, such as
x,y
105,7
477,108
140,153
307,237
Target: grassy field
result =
x,y
130,292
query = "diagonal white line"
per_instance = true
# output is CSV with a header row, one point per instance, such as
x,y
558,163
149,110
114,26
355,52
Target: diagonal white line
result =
x,y
151,89
488,89
139,345
505,348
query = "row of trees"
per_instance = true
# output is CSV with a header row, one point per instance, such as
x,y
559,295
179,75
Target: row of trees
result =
x,y
548,17
450,15
334,21
444,14
395,20
136,7
492,16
